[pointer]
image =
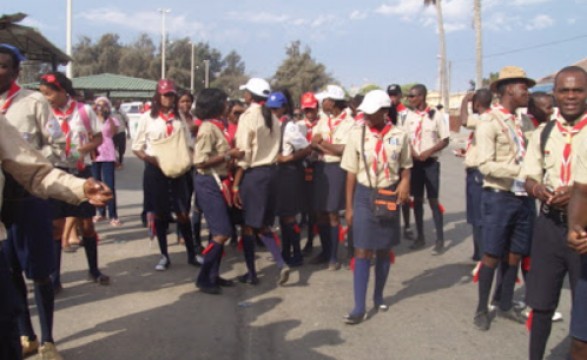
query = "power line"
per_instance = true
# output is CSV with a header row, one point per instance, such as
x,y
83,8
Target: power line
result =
x,y
532,47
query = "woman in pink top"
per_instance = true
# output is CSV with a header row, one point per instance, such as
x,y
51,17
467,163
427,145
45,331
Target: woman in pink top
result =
x,y
104,161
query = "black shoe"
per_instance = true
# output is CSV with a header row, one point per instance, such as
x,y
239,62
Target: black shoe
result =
x,y
307,250
246,279
381,308
512,314
295,261
319,259
418,244
194,261
482,320
100,279
212,290
224,282
439,248
408,234
354,319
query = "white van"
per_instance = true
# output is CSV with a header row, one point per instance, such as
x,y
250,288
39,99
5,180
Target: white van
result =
x,y
133,111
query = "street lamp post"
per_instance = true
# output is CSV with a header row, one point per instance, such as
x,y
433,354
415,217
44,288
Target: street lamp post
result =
x,y
69,68
192,68
207,73
163,39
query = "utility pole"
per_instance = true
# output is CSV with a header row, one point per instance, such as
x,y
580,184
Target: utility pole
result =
x,y
207,73
163,39
68,31
192,69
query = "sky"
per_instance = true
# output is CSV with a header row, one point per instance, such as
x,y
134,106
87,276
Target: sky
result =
x,y
359,41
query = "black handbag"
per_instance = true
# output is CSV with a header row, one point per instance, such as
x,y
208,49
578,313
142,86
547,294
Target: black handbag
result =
x,y
383,201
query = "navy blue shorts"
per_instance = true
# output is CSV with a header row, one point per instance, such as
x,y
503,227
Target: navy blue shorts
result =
x,y
329,187
507,223
258,195
368,232
29,246
552,259
579,312
425,174
164,195
210,200
61,209
474,191
290,187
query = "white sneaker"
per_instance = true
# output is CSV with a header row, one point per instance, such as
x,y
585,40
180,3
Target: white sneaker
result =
x,y
557,316
200,259
163,264
283,275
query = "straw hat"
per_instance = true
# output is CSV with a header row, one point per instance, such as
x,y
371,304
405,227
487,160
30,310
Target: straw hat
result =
x,y
511,73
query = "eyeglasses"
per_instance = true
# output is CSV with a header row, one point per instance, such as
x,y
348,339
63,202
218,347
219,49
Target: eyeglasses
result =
x,y
237,113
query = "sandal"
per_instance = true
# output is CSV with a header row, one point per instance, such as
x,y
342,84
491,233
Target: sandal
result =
x,y
97,218
115,222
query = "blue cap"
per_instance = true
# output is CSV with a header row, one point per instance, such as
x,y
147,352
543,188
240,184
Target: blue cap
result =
x,y
19,56
276,100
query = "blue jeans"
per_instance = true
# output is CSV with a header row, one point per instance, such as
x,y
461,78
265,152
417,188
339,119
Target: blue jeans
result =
x,y
104,171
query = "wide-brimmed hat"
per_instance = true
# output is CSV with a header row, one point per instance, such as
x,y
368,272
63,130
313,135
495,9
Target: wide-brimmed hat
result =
x,y
510,73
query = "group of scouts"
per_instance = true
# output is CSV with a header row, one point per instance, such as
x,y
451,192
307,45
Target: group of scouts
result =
x,y
247,164
515,161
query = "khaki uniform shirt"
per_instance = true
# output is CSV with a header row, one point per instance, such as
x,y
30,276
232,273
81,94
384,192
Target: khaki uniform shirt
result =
x,y
397,152
434,130
149,130
29,114
34,172
210,143
471,155
335,130
497,152
261,145
547,169
580,168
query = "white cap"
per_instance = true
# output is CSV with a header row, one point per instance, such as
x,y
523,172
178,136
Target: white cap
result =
x,y
257,86
373,101
333,92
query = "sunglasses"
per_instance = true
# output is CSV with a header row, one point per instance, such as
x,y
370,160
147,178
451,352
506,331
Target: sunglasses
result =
x,y
237,113
412,96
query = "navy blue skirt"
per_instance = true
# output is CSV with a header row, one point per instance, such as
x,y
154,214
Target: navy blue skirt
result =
x,y
210,200
258,195
290,189
61,209
369,232
29,246
163,194
329,187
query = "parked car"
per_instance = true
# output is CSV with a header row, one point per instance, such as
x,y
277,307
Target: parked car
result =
x,y
133,111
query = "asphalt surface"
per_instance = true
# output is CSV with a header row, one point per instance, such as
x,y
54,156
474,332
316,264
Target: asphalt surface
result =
x,y
146,314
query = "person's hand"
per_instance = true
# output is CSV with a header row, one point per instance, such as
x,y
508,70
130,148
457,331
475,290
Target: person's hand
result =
x,y
97,192
425,155
348,216
542,193
236,199
577,240
316,139
460,152
403,192
152,160
236,153
561,197
281,159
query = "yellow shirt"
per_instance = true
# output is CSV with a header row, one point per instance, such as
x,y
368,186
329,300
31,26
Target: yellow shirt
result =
x,y
547,169
497,152
210,143
34,172
335,130
261,145
433,130
396,150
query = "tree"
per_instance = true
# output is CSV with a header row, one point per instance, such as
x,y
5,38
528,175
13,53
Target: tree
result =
x,y
84,58
299,72
478,43
232,75
136,58
108,50
442,44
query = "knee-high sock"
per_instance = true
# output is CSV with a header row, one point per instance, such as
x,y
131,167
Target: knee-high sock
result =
x,y
24,317
539,333
503,267
419,218
360,283
249,252
438,222
56,276
382,265
477,242
485,281
196,229
406,215
185,229
285,240
508,285
295,241
310,224
205,277
324,232
45,300
91,249
350,250
271,245
161,224
334,244
215,270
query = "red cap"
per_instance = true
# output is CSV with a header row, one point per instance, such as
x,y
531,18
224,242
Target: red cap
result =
x,y
309,101
165,86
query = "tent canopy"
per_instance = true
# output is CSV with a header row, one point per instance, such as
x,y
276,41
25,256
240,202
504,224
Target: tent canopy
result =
x,y
31,42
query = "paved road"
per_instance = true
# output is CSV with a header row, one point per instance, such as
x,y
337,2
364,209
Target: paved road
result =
x,y
151,315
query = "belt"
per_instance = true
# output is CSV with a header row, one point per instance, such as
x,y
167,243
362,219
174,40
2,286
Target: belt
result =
x,y
558,216
494,190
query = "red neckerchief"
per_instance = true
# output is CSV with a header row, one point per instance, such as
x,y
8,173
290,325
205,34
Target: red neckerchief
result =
x,y
332,126
168,118
282,119
400,107
380,149
534,120
517,129
360,118
12,92
220,125
417,142
63,118
565,172
309,126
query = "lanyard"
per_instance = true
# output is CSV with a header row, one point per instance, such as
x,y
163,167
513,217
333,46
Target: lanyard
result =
x,y
565,171
12,92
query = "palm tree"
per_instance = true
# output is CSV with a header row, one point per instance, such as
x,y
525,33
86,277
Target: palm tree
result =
x,y
478,44
442,43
